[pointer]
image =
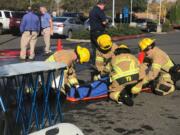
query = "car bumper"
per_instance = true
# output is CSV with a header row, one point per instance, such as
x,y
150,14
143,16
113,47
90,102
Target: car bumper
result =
x,y
58,31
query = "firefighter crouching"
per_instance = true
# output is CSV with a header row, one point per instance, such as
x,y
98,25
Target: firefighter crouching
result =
x,y
69,57
159,70
124,75
104,53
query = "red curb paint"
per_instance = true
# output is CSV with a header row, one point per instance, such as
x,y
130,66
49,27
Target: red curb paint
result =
x,y
119,38
8,54
176,26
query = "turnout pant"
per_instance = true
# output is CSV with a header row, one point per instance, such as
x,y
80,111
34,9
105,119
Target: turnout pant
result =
x,y
116,89
47,37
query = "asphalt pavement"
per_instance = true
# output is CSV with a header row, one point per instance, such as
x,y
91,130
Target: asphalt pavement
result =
x,y
151,114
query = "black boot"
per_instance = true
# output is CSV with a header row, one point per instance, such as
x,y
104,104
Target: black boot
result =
x,y
126,99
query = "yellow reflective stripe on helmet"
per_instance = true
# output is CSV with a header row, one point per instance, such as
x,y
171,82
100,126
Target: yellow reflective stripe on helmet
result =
x,y
124,74
51,59
73,81
99,59
156,66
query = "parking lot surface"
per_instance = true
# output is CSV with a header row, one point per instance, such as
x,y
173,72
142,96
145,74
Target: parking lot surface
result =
x,y
151,114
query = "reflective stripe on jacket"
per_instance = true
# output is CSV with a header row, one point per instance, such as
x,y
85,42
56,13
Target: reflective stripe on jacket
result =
x,y
65,56
124,66
161,64
102,59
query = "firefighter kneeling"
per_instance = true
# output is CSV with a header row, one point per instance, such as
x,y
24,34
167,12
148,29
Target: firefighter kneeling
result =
x,y
69,57
104,53
158,69
124,75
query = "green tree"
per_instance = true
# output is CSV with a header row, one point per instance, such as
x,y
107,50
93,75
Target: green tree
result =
x,y
174,13
139,5
77,6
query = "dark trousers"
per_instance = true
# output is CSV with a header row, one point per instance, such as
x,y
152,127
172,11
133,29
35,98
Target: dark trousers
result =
x,y
94,35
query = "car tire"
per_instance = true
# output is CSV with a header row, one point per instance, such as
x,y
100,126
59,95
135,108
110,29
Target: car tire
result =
x,y
69,35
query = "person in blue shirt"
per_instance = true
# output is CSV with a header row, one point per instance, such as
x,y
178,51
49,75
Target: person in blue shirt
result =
x,y
47,28
29,27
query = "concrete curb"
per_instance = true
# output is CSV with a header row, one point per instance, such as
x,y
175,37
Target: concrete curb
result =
x,y
79,40
114,38
161,33
176,26
119,38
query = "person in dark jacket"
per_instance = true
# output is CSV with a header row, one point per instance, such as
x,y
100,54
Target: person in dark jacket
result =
x,y
98,22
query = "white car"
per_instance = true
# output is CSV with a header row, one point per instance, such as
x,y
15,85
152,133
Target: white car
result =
x,y
87,24
5,16
66,25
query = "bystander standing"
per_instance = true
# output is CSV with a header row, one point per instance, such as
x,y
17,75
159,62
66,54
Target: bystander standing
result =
x,y
30,27
98,22
47,28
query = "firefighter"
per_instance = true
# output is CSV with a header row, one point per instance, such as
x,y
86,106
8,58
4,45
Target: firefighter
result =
x,y
159,69
104,53
69,57
124,75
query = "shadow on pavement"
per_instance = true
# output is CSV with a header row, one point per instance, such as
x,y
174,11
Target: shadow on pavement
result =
x,y
4,42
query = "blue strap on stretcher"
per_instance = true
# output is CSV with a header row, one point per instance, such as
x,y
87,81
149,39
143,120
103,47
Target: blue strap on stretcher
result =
x,y
95,89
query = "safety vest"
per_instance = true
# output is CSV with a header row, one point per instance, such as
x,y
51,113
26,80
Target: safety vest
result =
x,y
125,76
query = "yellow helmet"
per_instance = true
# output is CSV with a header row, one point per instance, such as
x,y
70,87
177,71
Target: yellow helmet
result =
x,y
146,42
123,47
83,54
104,41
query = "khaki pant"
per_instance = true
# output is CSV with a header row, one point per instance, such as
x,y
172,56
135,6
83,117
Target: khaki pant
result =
x,y
47,35
31,39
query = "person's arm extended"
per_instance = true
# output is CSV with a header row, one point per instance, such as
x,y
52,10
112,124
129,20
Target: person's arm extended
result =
x,y
154,71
